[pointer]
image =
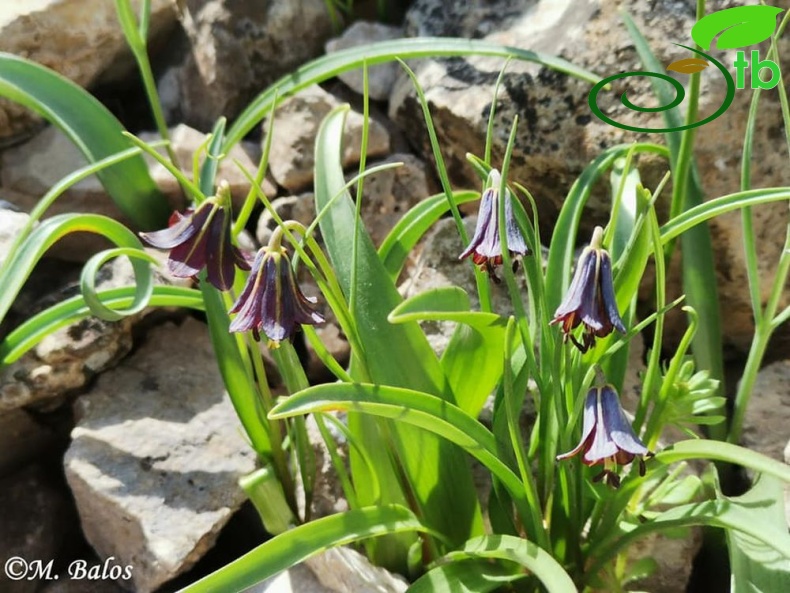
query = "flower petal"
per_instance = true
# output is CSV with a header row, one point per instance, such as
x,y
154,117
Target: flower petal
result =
x,y
483,219
183,229
220,261
581,289
588,425
618,425
515,240
607,293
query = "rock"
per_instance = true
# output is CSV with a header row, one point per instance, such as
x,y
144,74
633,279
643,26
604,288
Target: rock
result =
x,y
80,39
236,50
438,266
381,78
156,455
186,142
67,359
766,426
387,196
342,569
298,579
558,135
22,174
673,555
296,124
35,519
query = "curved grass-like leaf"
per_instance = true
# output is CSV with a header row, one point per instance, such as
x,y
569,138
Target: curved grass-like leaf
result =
x,y
35,329
438,475
754,565
727,514
738,26
92,128
465,576
411,407
713,208
22,260
412,226
477,342
371,54
143,282
719,451
292,547
528,554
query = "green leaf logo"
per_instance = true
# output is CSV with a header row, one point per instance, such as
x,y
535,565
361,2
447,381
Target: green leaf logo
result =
x,y
738,27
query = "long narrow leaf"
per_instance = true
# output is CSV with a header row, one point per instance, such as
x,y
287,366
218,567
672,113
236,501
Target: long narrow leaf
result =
x,y
336,63
298,544
92,128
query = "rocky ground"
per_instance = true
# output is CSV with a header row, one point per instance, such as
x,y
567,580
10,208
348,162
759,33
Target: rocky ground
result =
x,y
115,443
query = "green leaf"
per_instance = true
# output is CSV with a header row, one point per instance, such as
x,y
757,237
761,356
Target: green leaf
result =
x,y
719,451
408,231
739,26
292,547
36,328
93,129
465,576
411,407
391,355
22,261
477,342
757,567
528,554
371,54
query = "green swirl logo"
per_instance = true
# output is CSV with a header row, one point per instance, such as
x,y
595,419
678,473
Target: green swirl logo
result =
x,y
735,27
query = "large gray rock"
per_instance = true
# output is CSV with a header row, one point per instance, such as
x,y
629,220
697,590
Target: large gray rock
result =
x,y
236,49
80,39
156,455
381,78
558,134
296,125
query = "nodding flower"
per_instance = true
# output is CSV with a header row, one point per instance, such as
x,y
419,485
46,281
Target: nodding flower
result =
x,y
485,247
590,300
271,301
607,436
202,238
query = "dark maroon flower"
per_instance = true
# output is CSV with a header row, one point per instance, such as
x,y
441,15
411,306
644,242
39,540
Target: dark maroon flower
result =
x,y
607,435
271,300
485,247
590,301
201,238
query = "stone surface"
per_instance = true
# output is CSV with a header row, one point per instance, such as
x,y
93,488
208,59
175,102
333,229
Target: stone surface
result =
x,y
387,196
342,569
24,176
296,124
67,359
766,426
381,78
80,39
34,516
558,134
186,142
298,579
236,49
156,455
